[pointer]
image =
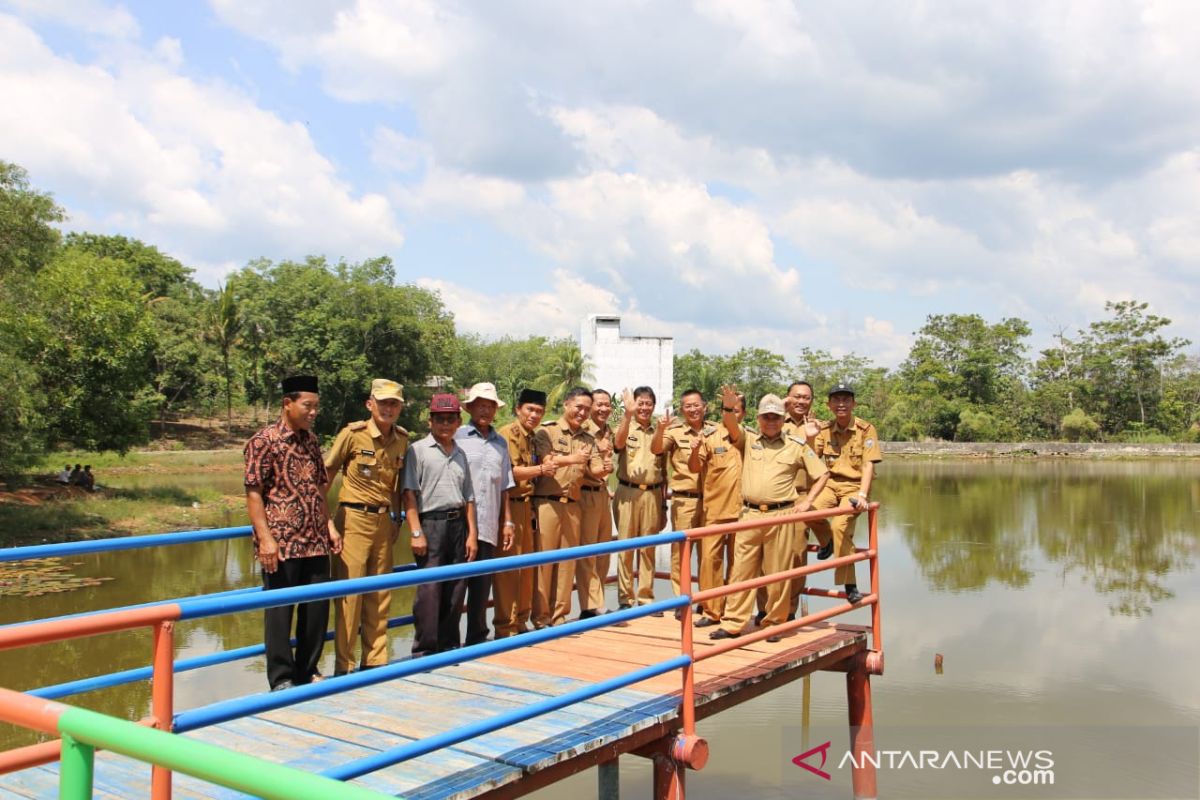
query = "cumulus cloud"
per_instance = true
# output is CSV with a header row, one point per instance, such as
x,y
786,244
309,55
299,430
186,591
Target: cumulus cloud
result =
x,y
195,166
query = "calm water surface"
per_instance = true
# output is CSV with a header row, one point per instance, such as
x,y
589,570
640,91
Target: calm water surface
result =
x,y
1059,593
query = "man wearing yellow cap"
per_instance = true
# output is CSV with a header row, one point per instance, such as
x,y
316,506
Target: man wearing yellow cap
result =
x,y
370,455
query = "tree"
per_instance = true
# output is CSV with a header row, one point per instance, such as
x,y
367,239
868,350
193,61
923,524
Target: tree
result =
x,y
1124,362
568,368
91,338
27,237
224,327
28,241
961,356
347,324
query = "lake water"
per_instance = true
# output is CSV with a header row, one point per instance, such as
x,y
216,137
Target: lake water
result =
x,y
1062,595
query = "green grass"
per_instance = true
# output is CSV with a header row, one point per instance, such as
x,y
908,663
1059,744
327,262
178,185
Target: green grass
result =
x,y
114,512
160,459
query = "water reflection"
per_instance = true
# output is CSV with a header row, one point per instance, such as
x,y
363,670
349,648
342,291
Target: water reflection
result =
x,y
1036,550
1123,527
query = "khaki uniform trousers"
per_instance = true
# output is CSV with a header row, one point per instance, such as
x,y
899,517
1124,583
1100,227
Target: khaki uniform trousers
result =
x,y
757,552
638,513
686,512
513,590
596,527
367,541
557,527
716,557
840,529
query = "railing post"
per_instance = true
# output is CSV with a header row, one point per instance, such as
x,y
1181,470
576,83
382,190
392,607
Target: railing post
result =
x,y
76,769
688,705
876,609
162,700
862,732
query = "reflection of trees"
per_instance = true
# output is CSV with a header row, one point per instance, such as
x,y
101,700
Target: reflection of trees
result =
x,y
964,529
1125,531
1123,526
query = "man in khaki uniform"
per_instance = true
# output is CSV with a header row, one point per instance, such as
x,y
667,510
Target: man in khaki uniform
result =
x,y
718,461
370,455
802,424
570,451
676,440
640,497
513,590
770,462
849,446
597,512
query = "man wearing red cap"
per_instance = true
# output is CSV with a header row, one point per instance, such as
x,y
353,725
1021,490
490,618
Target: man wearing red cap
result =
x,y
440,503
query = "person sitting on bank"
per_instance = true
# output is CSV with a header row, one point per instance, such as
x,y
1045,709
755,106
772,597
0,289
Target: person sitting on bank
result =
x,y
76,475
64,477
88,480
440,503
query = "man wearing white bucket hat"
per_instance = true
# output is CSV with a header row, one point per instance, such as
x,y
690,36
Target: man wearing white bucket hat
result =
x,y
492,478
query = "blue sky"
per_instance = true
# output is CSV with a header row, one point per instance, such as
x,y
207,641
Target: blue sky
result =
x,y
757,172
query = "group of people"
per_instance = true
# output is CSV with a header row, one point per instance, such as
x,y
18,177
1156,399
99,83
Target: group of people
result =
x,y
470,491
80,476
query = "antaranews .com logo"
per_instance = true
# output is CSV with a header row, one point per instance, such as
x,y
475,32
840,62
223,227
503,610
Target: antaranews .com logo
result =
x,y
1002,762
1007,767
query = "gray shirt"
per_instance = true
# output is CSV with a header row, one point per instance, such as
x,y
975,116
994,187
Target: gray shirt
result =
x,y
439,481
491,475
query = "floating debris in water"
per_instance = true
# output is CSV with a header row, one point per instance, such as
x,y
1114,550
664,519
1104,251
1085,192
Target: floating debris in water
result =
x,y
41,576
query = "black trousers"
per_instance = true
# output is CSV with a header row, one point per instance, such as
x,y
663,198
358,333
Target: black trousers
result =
x,y
479,589
437,606
311,621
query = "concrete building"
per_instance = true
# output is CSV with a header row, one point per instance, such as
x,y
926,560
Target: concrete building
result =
x,y
620,362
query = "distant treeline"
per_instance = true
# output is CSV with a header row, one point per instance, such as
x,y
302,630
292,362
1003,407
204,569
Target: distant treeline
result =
x,y
101,334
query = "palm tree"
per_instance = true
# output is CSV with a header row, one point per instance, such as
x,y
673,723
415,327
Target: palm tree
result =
x,y
568,369
224,329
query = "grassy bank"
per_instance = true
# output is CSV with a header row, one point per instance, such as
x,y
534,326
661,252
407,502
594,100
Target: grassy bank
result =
x,y
114,512
34,510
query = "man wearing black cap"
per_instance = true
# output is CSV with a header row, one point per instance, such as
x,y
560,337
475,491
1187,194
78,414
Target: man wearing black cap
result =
x,y
849,446
285,482
514,589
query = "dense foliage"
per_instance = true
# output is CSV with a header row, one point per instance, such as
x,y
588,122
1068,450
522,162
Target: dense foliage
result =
x,y
101,334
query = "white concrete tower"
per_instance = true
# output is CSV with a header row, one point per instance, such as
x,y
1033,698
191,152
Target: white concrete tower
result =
x,y
620,362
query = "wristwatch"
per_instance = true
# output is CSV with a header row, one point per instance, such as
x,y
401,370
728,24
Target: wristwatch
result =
x,y
416,534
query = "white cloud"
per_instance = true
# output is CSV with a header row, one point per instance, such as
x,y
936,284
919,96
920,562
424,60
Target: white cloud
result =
x,y
195,167
91,16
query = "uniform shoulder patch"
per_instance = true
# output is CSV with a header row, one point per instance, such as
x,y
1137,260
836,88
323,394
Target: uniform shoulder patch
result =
x,y
708,430
549,424
400,431
861,424
797,440
357,426
825,425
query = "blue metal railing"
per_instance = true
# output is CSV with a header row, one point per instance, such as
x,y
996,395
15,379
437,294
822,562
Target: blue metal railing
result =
x,y
63,549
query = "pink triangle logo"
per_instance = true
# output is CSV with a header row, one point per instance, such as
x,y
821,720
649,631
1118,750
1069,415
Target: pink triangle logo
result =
x,y
823,749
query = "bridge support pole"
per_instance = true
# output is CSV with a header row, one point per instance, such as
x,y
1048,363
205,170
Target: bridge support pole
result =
x,y
608,780
668,777
862,732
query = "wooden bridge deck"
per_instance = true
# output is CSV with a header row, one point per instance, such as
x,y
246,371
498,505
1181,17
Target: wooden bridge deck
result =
x,y
319,734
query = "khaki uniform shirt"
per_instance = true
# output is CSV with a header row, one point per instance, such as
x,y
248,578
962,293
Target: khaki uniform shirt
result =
x,y
678,441
599,434
845,450
370,465
792,429
635,462
556,437
770,467
721,470
520,451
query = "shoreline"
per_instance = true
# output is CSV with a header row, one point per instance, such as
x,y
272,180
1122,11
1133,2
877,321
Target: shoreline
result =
x,y
1076,450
